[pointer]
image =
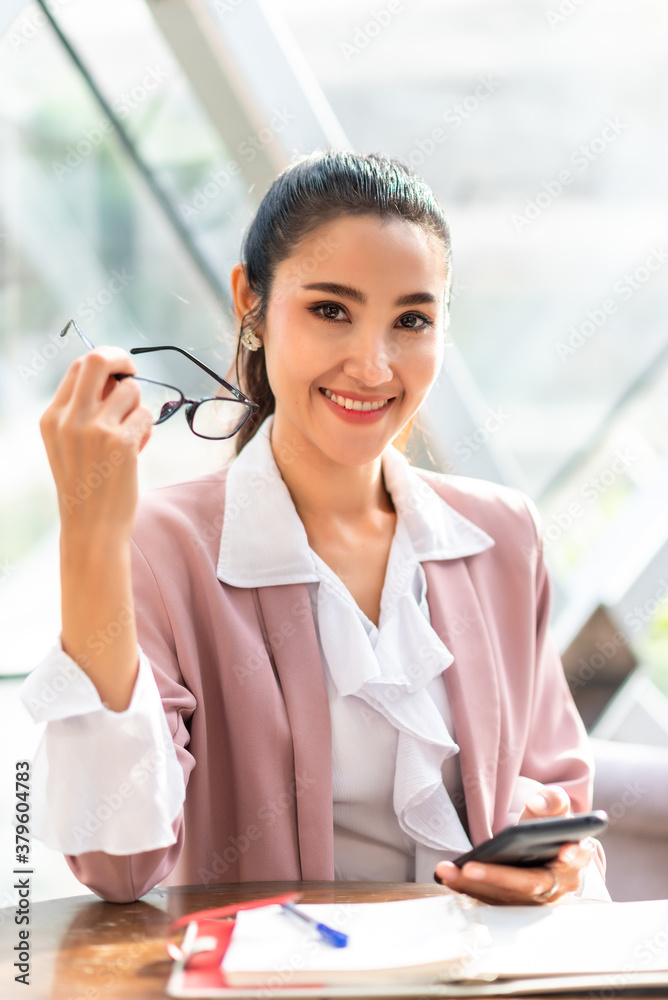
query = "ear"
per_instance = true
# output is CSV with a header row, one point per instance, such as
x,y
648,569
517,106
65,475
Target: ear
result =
x,y
244,299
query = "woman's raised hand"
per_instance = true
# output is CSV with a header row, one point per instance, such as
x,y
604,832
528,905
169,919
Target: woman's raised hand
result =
x,y
519,886
93,431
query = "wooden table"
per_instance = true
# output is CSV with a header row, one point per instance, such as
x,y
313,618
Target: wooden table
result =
x,y
86,949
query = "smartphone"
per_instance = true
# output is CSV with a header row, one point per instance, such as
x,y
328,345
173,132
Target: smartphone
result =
x,y
534,843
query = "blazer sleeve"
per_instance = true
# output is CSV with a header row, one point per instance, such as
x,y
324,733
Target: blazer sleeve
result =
x,y
557,749
124,878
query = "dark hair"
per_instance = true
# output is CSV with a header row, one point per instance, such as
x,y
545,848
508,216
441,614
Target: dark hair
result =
x,y
310,192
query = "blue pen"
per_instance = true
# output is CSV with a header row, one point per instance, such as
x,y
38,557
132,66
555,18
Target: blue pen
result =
x,y
336,938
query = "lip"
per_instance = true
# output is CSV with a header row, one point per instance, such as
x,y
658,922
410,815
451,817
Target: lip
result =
x,y
358,416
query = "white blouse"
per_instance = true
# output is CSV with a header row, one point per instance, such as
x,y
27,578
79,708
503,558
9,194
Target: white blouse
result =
x,y
394,754
393,750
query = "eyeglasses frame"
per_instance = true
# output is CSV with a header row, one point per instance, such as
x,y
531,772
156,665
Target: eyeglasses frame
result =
x,y
192,404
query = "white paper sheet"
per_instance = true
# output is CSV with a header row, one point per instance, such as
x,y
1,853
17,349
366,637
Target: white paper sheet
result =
x,y
615,938
381,936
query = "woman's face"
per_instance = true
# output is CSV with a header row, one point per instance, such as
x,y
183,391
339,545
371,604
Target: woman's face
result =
x,y
353,335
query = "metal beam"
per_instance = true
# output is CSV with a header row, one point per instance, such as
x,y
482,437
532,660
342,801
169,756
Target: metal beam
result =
x,y
181,231
253,82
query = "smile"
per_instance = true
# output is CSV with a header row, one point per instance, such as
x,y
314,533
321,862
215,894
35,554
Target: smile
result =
x,y
354,404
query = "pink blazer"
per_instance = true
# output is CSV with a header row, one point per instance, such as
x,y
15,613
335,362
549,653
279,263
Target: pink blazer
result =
x,y
243,690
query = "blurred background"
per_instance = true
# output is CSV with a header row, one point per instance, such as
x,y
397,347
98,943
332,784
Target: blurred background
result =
x,y
136,140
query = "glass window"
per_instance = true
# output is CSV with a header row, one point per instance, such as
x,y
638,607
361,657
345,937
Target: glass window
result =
x,y
544,135
82,235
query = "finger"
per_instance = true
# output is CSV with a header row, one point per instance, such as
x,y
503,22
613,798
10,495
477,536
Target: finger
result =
x,y
137,428
64,390
94,373
575,856
507,884
523,881
124,397
552,800
515,886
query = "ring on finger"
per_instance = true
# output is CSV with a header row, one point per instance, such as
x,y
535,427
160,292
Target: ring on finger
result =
x,y
546,896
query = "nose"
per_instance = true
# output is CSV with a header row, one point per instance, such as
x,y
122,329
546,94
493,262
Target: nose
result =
x,y
369,359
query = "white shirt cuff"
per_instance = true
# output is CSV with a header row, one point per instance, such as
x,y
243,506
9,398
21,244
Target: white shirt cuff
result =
x,y
102,780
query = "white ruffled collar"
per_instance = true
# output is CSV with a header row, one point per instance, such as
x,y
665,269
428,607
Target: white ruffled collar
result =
x,y
264,543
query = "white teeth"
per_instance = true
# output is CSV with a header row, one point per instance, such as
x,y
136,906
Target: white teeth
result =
x,y
355,404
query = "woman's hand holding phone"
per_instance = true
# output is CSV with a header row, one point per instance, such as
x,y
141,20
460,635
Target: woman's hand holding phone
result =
x,y
93,431
502,883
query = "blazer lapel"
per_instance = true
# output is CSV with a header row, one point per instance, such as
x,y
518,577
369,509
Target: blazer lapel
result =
x,y
472,685
289,630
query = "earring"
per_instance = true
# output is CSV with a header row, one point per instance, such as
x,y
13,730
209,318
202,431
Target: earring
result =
x,y
251,340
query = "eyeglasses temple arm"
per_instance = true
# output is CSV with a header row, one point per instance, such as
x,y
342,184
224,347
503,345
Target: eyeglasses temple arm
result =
x,y
73,322
237,393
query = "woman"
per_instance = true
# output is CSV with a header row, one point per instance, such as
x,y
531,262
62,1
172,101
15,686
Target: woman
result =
x,y
320,621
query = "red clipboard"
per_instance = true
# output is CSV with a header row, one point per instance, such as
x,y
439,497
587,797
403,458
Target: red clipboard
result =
x,y
198,958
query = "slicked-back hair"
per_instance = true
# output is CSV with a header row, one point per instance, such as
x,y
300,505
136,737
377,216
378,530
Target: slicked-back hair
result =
x,y
311,192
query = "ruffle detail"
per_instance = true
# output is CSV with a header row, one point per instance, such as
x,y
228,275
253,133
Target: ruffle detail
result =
x,y
390,669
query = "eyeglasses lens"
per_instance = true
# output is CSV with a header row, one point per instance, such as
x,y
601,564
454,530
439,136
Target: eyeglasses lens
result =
x,y
219,418
159,400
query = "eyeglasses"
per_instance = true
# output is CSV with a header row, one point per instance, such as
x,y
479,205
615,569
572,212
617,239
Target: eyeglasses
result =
x,y
214,418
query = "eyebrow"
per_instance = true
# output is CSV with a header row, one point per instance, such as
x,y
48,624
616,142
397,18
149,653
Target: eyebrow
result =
x,y
348,292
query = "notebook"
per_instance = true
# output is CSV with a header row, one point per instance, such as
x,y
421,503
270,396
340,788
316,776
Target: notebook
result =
x,y
413,940
446,946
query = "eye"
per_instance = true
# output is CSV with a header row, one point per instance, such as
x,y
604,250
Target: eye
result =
x,y
414,321
330,311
